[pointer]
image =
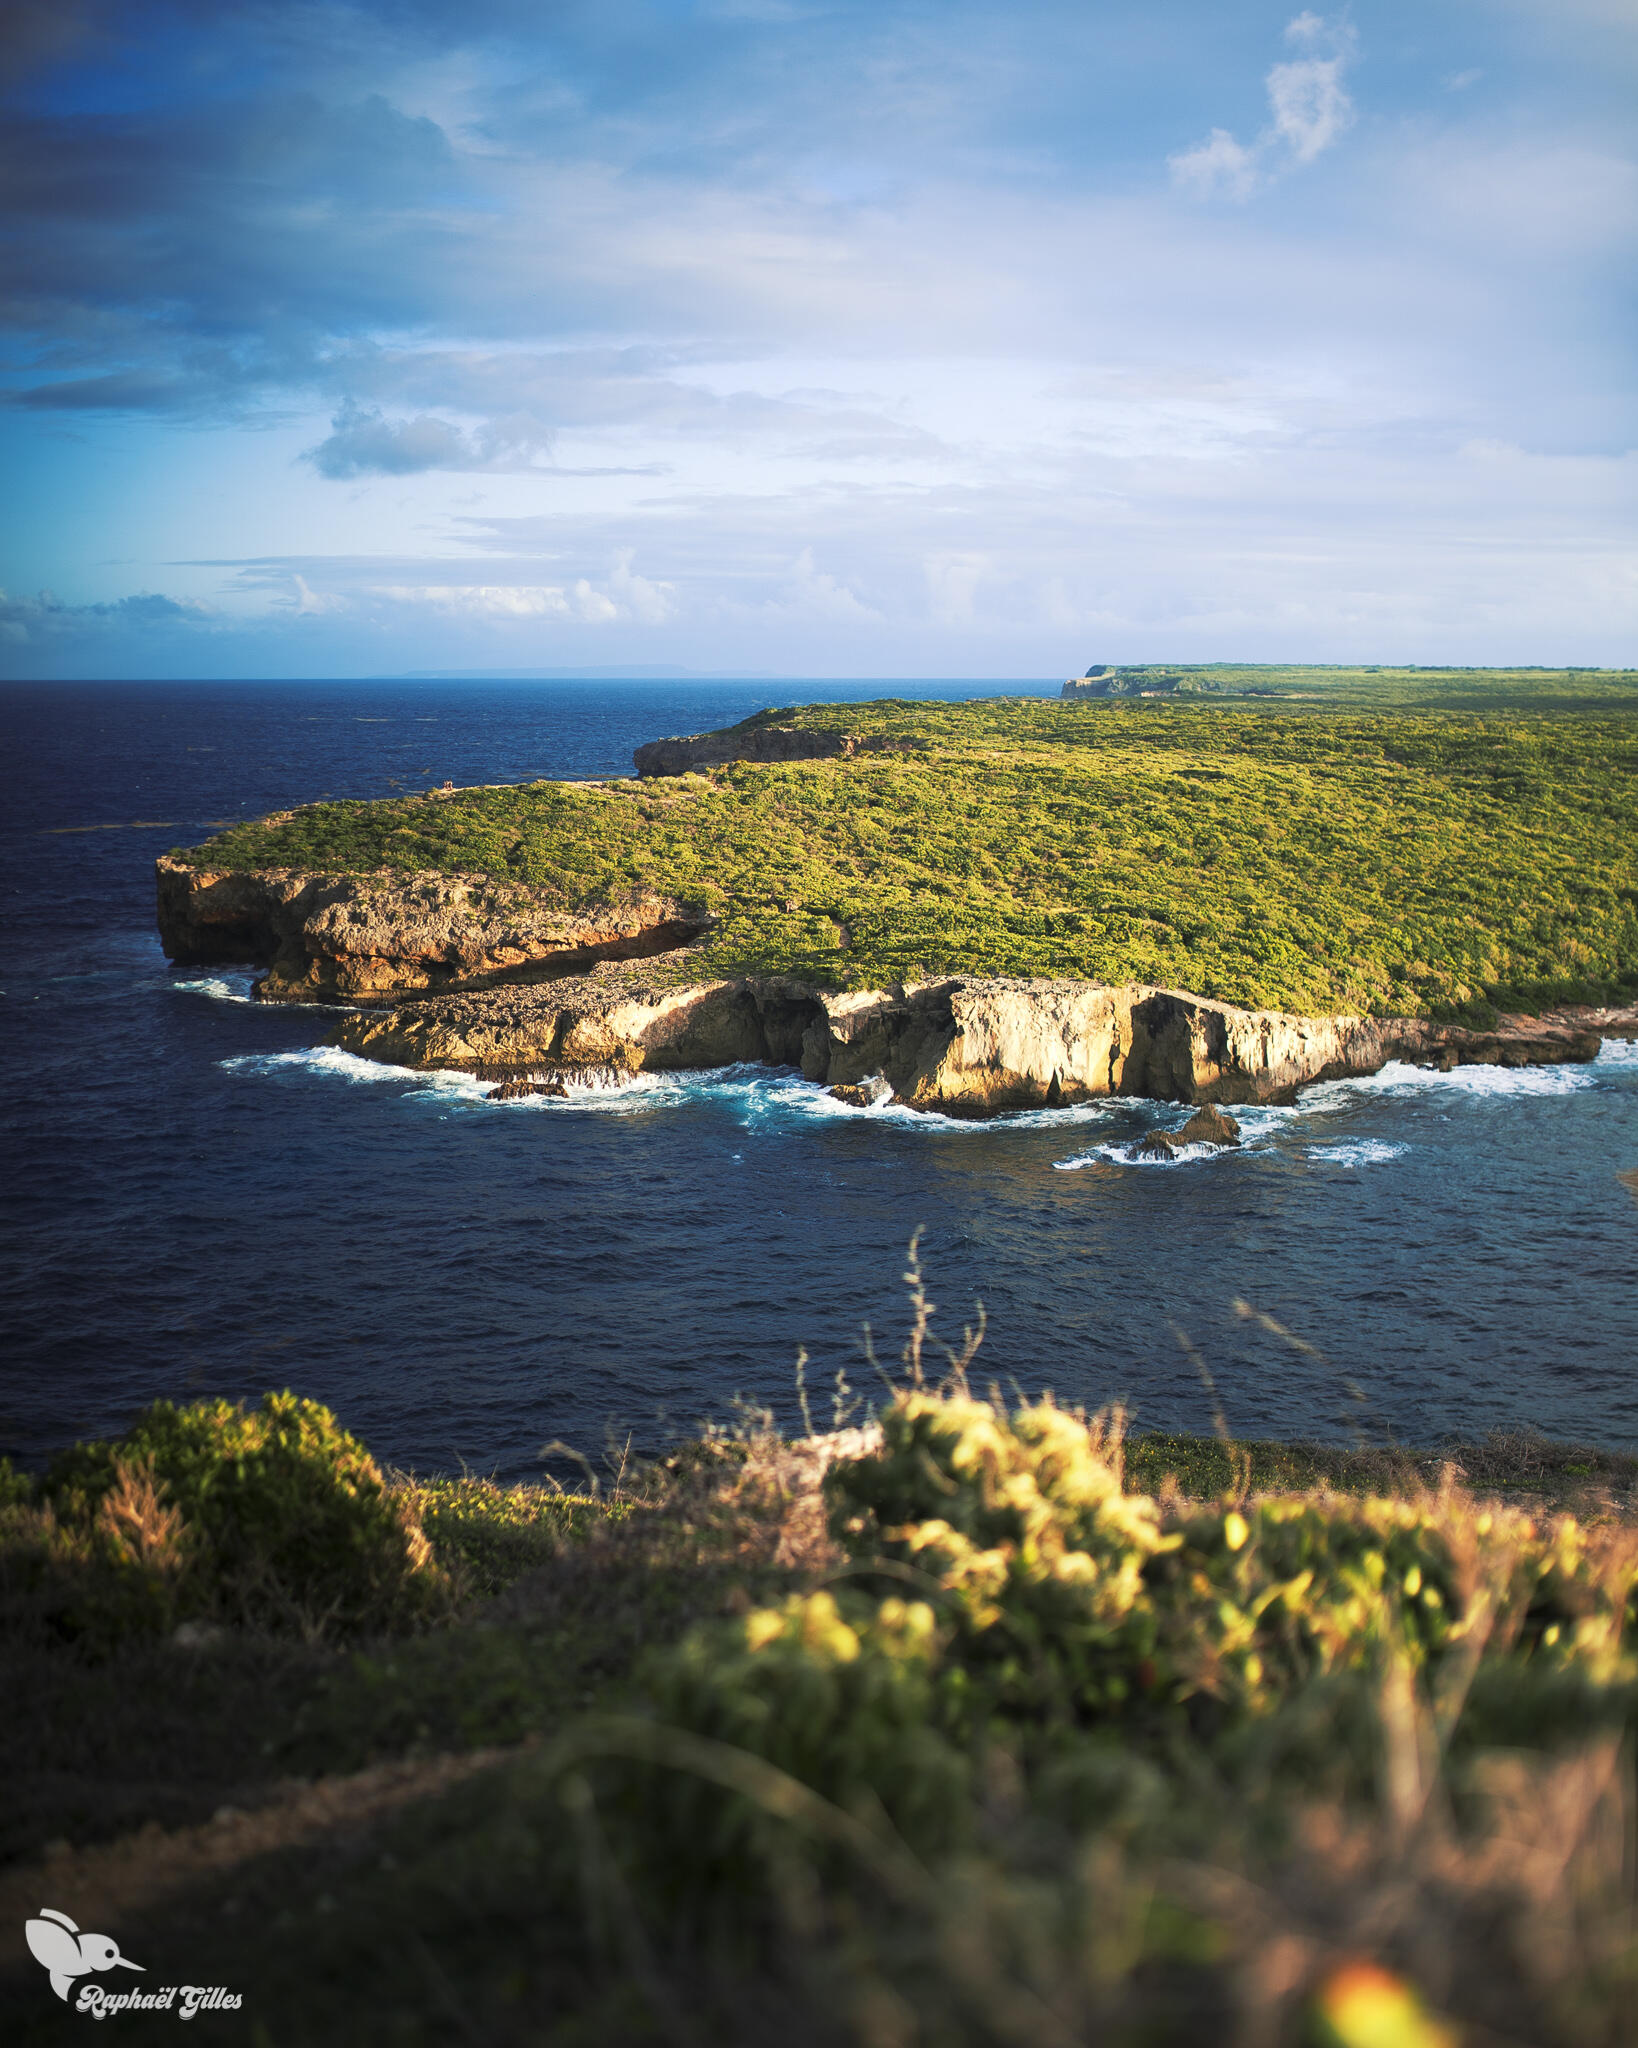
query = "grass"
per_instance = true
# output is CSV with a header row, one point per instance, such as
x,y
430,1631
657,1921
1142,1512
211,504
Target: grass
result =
x,y
1021,1730
1379,688
1375,860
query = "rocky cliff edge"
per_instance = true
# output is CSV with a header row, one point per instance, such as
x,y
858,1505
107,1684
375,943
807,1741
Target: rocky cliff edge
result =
x,y
468,973
963,1046
358,938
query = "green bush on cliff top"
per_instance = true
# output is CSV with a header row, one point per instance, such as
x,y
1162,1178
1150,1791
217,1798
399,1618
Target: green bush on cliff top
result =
x,y
272,1517
1299,859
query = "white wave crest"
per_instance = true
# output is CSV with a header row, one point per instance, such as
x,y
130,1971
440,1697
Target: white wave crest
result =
x,y
229,986
1357,1152
1127,1154
760,1094
1399,1078
331,1062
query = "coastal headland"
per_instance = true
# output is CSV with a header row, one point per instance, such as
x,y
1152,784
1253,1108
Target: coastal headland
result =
x,y
983,907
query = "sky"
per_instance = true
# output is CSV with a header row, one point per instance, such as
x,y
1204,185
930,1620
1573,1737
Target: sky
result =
x,y
876,338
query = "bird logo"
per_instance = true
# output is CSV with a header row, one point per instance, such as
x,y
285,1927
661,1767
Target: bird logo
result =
x,y
57,1943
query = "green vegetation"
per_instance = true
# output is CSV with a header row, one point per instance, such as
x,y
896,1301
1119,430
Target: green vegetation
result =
x,y
216,1513
1387,689
1378,860
1014,1731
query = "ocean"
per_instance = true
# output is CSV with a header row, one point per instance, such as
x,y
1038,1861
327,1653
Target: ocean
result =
x,y
201,1197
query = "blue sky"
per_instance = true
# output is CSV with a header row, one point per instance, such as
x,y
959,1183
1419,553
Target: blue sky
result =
x,y
854,339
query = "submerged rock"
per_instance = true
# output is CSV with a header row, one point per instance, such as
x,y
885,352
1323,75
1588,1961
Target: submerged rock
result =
x,y
1155,1146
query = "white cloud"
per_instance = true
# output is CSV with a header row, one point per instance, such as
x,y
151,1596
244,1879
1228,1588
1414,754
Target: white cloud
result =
x,y
628,597
1308,109
363,442
952,585
636,596
1309,106
815,593
1217,164
26,620
482,600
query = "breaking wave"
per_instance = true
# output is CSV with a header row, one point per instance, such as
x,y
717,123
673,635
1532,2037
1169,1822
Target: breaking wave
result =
x,y
227,985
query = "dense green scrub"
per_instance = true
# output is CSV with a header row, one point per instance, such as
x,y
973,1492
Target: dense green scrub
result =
x,y
1391,689
1298,858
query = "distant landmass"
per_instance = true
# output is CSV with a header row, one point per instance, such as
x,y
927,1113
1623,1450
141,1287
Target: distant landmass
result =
x,y
658,672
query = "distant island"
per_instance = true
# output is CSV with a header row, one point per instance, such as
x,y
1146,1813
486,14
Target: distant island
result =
x,y
992,904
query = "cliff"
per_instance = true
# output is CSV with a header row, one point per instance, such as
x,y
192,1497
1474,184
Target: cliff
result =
x,y
328,938
966,1047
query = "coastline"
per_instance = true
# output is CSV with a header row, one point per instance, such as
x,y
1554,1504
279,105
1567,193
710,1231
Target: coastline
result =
x,y
461,972
961,1046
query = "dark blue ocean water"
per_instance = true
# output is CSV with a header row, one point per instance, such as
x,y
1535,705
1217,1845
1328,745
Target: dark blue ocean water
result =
x,y
199,1197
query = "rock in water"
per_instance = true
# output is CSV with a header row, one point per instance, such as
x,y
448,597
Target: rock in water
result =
x,y
1155,1146
864,1094
1208,1126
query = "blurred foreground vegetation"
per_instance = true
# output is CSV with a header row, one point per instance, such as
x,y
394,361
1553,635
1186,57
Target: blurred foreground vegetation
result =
x,y
1396,856
981,1725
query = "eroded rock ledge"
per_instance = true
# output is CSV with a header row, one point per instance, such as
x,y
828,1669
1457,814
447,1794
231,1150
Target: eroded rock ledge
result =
x,y
964,1046
357,938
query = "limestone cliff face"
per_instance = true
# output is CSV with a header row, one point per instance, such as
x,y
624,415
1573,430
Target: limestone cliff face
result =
x,y
357,938
974,1047
966,1047
761,743
614,1017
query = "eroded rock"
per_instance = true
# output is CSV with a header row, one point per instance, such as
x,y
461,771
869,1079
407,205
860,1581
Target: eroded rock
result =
x,y
364,938
965,1047
1209,1126
863,1094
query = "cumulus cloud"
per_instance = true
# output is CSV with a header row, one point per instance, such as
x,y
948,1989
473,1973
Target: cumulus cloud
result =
x,y
1308,106
1219,164
623,594
1308,103
366,443
29,619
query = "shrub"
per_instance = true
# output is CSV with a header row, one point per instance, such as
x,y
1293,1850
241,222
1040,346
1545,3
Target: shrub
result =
x,y
1053,1606
271,1517
1044,1735
487,1534
843,1694
1024,1523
